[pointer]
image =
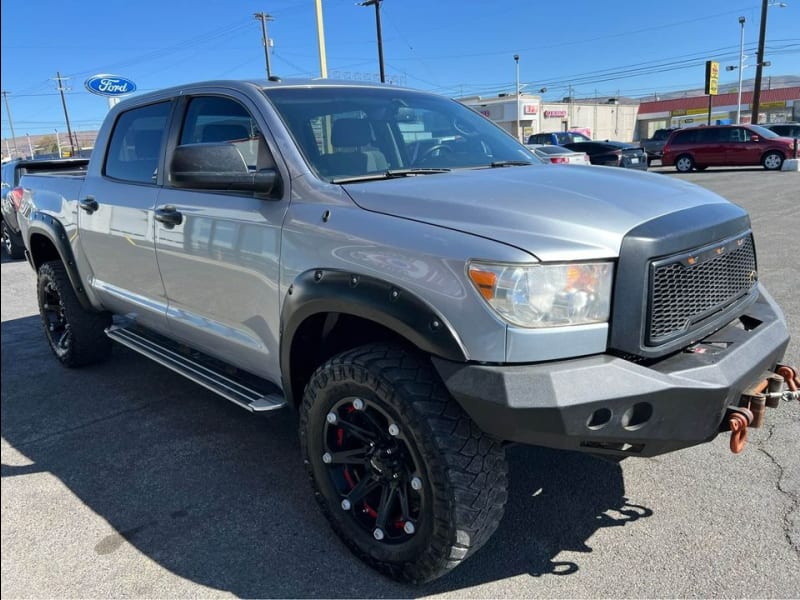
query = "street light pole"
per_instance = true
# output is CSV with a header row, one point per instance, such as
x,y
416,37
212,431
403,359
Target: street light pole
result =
x,y
58,143
741,68
519,133
323,61
377,4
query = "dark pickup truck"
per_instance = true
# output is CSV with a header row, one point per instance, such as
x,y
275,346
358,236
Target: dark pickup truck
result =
x,y
654,146
12,173
416,284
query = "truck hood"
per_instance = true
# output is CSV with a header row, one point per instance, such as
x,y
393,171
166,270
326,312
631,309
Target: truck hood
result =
x,y
555,212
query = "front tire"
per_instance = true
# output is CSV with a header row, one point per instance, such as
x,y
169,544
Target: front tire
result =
x,y
12,242
772,161
407,480
75,335
684,163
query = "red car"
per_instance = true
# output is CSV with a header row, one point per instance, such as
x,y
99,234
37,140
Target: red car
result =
x,y
726,146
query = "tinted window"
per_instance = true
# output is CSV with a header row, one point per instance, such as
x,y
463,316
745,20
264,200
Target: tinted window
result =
x,y
136,143
687,136
217,119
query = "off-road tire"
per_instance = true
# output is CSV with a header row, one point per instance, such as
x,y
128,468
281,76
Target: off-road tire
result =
x,y
75,335
12,242
684,163
463,470
772,161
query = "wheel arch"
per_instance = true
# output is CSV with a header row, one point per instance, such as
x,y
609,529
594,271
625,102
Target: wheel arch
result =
x,y
328,311
48,241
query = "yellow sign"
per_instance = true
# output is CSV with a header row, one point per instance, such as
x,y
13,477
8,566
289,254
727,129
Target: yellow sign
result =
x,y
712,78
764,105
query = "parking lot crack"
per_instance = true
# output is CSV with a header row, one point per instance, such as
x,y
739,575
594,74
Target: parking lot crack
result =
x,y
794,501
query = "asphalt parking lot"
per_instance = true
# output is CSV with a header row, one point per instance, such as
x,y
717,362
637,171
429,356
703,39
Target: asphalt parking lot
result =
x,y
125,480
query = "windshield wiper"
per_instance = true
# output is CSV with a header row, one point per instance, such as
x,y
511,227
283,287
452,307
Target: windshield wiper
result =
x,y
389,174
511,163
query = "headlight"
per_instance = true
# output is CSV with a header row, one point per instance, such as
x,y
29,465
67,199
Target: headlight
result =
x,y
546,295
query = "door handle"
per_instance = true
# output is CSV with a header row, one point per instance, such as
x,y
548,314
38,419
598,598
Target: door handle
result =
x,y
169,216
89,204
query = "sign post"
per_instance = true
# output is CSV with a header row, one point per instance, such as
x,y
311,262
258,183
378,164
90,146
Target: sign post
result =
x,y
712,83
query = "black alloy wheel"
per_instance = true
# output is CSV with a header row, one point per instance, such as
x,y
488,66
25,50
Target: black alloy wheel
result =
x,y
409,483
12,243
75,335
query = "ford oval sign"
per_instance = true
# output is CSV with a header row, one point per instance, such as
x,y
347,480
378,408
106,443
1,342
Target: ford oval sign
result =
x,y
110,85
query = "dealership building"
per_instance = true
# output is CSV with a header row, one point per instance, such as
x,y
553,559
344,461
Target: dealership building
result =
x,y
775,106
600,119
626,119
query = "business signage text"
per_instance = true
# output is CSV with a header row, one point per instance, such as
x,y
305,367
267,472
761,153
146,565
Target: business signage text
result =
x,y
110,85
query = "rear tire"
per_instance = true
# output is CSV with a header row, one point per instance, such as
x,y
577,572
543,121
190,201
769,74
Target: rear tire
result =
x,y
12,242
75,335
409,483
772,161
684,163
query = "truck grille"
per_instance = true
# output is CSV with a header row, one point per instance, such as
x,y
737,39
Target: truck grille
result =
x,y
687,289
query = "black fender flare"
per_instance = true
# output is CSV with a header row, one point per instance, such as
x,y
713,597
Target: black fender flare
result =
x,y
334,291
40,223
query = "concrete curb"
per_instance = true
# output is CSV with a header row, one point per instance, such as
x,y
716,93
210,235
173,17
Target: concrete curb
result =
x,y
791,164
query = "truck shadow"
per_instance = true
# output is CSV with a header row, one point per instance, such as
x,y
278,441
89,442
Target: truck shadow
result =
x,y
220,497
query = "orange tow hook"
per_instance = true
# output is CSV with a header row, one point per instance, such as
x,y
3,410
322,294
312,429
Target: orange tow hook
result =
x,y
790,376
738,423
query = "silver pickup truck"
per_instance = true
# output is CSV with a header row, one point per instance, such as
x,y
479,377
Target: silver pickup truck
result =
x,y
416,284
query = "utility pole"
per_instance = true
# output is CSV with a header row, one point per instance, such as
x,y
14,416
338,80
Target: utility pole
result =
x,y
264,17
519,133
377,4
11,125
323,62
762,34
58,143
30,147
66,115
741,68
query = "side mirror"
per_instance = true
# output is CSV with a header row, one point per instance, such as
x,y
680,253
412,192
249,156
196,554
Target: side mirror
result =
x,y
218,166
755,138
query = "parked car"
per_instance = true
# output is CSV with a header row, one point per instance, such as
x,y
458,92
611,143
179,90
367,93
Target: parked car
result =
x,y
612,154
726,146
12,172
558,154
791,130
654,146
558,138
277,244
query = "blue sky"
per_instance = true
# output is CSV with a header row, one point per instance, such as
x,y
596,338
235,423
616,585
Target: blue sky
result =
x,y
454,47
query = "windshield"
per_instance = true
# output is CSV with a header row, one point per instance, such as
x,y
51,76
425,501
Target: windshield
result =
x,y
763,131
350,132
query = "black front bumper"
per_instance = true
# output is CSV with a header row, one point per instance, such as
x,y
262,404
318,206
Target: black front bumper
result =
x,y
609,405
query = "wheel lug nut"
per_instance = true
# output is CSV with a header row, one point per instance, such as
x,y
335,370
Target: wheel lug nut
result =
x,y
327,458
416,482
394,430
331,418
358,404
378,534
346,504
408,527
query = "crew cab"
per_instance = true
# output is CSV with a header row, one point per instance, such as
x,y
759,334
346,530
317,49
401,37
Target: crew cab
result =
x,y
416,284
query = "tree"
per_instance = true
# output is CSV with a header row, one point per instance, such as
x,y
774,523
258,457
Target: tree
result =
x,y
48,145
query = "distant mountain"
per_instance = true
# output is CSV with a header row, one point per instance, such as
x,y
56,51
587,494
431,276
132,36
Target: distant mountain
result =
x,y
767,82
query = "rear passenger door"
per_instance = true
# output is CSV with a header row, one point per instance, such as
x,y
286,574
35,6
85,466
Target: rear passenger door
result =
x,y
219,261
115,216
